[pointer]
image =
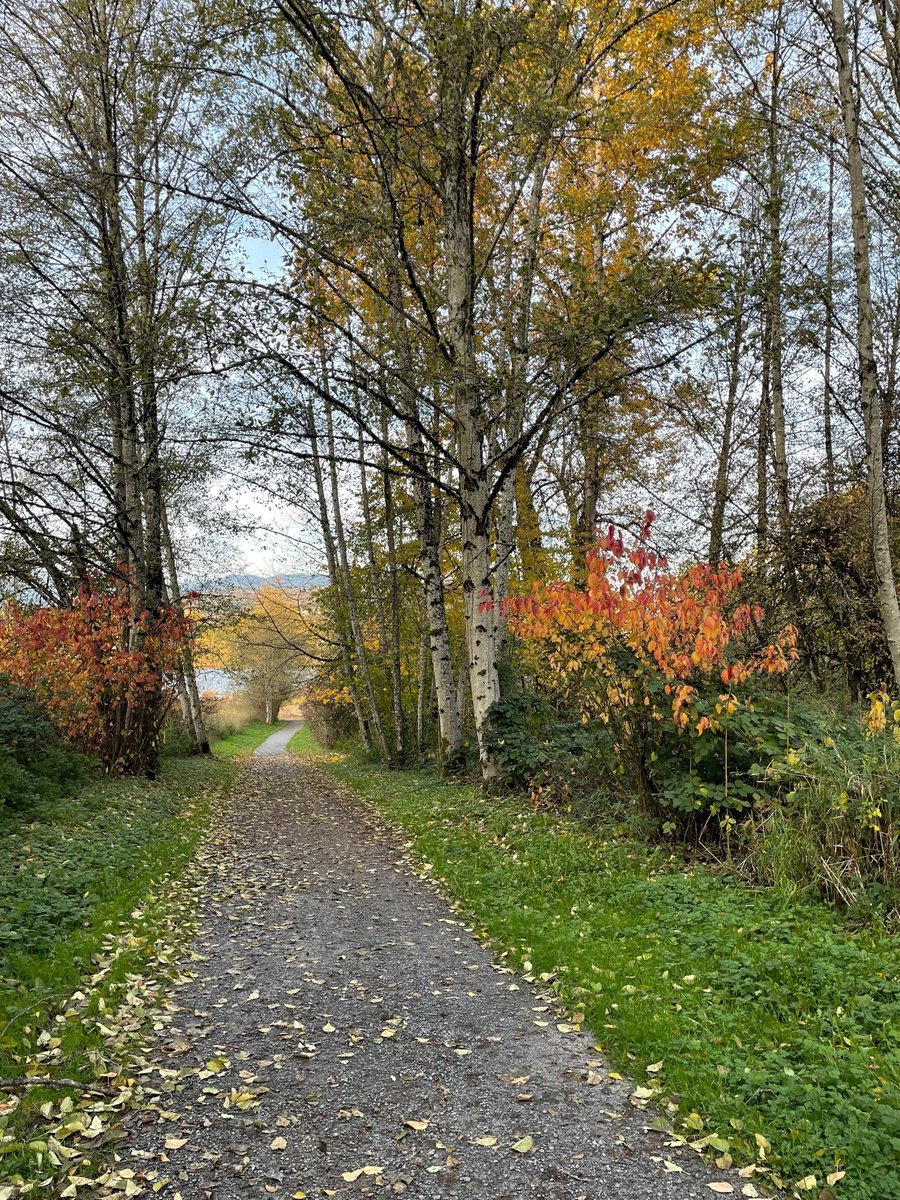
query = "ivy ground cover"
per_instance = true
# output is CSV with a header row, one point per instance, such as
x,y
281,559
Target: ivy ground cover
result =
x,y
88,932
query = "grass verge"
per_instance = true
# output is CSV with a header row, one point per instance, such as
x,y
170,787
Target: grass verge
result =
x,y
235,745
303,742
778,1028
89,930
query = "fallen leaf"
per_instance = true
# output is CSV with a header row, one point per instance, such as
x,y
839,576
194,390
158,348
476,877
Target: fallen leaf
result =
x,y
723,1188
352,1176
278,1143
175,1143
523,1145
416,1124
485,1141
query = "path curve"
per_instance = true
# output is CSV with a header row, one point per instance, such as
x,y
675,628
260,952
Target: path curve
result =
x,y
277,743
342,1017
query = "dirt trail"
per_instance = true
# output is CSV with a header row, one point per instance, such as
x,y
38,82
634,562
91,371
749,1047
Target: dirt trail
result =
x,y
340,1004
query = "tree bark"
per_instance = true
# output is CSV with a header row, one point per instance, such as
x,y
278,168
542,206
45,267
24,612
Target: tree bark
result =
x,y
879,531
720,493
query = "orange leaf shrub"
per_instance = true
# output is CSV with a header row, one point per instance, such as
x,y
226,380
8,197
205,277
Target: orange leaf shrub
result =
x,y
639,631
655,663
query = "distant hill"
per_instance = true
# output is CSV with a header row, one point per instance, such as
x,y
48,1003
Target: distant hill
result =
x,y
254,582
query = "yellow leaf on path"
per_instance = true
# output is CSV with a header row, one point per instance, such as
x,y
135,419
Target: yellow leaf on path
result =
x,y
416,1124
750,1190
352,1176
670,1166
593,1078
486,1141
175,1143
724,1188
299,1196
388,1033
523,1145
434,1170
278,1143
329,1028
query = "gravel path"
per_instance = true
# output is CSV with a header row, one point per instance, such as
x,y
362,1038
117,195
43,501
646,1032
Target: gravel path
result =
x,y
276,743
345,1035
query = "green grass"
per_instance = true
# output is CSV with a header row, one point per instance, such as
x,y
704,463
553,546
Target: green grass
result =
x,y
303,742
245,742
771,1018
94,865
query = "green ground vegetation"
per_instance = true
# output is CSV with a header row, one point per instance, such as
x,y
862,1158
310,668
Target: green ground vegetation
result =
x,y
76,873
776,1024
245,741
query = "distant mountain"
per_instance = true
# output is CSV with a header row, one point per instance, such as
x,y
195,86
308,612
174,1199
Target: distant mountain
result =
x,y
254,582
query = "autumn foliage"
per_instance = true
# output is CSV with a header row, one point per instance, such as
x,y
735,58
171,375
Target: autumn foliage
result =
x,y
641,644
99,670
635,618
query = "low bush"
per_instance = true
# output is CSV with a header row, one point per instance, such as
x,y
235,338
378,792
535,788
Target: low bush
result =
x,y
664,663
107,700
36,766
827,811
650,691
331,720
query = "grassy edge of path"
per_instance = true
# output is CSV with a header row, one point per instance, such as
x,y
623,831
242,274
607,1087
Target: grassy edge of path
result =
x,y
244,741
765,1027
106,894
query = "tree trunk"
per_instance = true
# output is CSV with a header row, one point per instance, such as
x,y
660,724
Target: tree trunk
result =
x,y
195,722
346,577
829,323
720,494
458,183
336,580
762,446
879,532
775,297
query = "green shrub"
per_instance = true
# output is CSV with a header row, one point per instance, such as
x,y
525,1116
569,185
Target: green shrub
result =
x,y
828,816
330,724
36,766
177,740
